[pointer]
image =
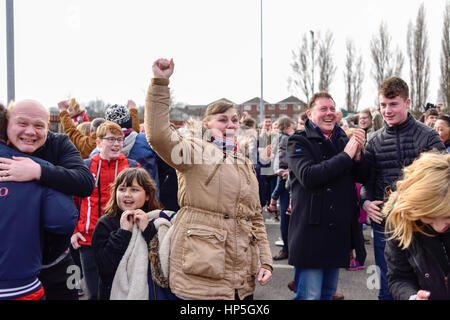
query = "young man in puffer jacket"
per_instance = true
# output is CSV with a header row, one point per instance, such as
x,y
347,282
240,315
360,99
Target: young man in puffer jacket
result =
x,y
396,145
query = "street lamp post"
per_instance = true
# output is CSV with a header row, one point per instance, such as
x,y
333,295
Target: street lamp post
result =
x,y
10,49
312,55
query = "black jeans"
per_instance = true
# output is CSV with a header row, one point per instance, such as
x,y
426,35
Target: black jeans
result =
x,y
90,271
56,281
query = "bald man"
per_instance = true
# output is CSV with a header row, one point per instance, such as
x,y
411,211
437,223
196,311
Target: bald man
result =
x,y
27,208
28,132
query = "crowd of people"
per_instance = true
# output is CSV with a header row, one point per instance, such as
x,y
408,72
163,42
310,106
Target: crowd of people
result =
x,y
152,211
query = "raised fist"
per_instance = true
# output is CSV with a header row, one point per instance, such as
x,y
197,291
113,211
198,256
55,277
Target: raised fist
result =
x,y
163,68
63,105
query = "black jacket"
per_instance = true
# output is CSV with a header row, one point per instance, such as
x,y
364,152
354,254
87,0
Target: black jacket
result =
x,y
168,186
424,265
324,199
68,175
392,148
109,244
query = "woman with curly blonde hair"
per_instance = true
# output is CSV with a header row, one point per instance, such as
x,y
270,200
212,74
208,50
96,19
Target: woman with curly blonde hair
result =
x,y
418,221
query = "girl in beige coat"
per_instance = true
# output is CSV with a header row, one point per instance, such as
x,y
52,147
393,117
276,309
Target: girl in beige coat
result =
x,y
219,243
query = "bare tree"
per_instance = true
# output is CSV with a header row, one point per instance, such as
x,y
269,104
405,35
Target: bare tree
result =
x,y
300,83
444,88
353,77
417,45
96,108
327,69
173,103
384,66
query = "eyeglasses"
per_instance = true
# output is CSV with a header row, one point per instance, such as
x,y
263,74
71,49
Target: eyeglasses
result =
x,y
112,140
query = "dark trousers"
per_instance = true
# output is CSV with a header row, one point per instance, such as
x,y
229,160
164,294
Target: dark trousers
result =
x,y
279,188
76,258
284,218
90,271
379,243
271,183
56,281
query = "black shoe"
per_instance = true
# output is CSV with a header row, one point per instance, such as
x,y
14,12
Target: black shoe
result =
x,y
281,255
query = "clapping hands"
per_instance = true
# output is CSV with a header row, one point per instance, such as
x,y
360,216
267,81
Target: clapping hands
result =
x,y
356,144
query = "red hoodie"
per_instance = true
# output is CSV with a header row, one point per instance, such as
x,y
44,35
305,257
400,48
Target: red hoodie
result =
x,y
104,172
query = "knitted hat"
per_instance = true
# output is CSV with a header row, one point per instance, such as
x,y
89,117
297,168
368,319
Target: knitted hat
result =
x,y
119,114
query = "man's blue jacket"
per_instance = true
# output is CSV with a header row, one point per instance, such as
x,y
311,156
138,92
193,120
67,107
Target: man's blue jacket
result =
x,y
26,210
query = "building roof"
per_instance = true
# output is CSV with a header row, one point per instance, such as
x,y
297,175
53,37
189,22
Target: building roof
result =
x,y
256,100
292,99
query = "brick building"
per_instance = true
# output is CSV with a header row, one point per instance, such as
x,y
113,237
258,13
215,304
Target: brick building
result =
x,y
290,107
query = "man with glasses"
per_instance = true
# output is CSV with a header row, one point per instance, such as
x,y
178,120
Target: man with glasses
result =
x,y
136,147
365,122
104,166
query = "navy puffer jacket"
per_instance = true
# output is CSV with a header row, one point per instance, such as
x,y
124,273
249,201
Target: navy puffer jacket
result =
x,y
392,148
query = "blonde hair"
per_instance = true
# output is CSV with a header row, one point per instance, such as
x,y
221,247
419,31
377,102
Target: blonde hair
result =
x,y
423,192
349,132
85,128
74,107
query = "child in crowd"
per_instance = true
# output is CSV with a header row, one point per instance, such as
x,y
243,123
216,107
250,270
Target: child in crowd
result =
x,y
104,167
77,114
133,195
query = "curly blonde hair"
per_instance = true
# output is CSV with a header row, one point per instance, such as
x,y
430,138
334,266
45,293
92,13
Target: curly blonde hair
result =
x,y
423,192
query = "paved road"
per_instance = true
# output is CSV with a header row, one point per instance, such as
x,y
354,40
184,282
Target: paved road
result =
x,y
353,284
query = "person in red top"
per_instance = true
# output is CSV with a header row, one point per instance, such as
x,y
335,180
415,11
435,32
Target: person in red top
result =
x,y
104,166
77,114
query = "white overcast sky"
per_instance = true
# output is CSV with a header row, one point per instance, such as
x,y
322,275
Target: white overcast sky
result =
x,y
104,49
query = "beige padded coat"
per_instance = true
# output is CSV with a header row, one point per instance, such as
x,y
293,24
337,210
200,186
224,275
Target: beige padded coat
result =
x,y
219,239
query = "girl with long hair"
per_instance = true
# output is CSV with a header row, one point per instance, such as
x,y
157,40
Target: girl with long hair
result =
x,y
116,236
